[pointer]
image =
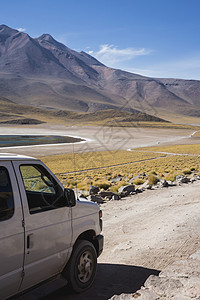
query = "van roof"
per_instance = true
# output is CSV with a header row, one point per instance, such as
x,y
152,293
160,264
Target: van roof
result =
x,y
12,156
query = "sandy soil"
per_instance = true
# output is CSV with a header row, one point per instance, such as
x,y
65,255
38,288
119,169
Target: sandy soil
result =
x,y
144,233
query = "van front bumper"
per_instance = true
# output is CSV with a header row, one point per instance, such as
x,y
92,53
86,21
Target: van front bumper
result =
x,y
99,240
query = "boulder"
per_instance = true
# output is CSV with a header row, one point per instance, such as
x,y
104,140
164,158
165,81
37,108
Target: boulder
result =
x,y
195,178
116,179
81,195
126,190
182,179
162,183
145,186
106,194
96,198
93,190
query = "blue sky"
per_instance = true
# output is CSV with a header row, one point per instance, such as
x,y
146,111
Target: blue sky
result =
x,y
156,38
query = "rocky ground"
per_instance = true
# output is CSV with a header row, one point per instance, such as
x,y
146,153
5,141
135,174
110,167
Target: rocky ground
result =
x,y
101,196
179,281
161,232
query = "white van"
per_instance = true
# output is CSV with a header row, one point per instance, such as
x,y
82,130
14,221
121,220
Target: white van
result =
x,y
44,230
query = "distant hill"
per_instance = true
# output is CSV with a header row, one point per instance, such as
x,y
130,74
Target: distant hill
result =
x,y
19,114
44,73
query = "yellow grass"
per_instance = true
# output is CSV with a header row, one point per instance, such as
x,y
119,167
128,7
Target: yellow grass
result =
x,y
89,160
155,125
182,149
12,111
105,173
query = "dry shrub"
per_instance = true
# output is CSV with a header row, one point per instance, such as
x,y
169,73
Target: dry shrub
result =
x,y
193,169
121,183
102,184
138,181
114,189
83,186
187,171
153,172
153,179
170,177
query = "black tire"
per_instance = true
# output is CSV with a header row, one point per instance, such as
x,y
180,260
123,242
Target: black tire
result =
x,y
81,268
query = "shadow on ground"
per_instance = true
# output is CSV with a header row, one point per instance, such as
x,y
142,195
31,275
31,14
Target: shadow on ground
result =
x,y
111,279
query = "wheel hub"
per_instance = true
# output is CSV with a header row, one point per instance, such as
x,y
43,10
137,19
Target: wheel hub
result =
x,y
85,267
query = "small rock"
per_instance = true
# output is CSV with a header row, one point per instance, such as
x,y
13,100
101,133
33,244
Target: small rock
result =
x,y
145,186
138,191
164,183
115,197
196,255
106,194
194,178
116,179
123,194
171,183
133,193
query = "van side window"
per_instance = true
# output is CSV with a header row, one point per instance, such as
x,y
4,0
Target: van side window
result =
x,y
6,195
42,191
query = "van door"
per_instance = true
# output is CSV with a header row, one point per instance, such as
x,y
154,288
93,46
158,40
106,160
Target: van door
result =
x,y
11,232
48,232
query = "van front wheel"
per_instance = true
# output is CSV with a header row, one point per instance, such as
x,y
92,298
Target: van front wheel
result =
x,y
81,268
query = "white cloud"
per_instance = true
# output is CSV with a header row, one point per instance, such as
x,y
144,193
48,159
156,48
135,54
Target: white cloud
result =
x,y
21,29
111,55
188,68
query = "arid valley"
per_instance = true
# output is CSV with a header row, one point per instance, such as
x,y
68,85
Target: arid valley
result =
x,y
144,233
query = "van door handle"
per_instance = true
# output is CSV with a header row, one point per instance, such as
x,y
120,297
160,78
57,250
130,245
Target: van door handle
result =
x,y
30,241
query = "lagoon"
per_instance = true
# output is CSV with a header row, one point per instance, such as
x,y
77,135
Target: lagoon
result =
x,y
26,140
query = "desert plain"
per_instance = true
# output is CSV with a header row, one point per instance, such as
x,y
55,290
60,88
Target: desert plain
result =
x,y
144,233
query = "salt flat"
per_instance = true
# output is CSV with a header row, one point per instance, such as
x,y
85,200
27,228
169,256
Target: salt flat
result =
x,y
96,138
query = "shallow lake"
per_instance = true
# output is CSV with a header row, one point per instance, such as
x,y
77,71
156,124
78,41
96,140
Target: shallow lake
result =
x,y
26,140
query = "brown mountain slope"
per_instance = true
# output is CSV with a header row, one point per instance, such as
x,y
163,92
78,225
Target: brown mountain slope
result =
x,y
45,73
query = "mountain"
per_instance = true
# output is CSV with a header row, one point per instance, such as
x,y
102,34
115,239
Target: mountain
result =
x,y
45,73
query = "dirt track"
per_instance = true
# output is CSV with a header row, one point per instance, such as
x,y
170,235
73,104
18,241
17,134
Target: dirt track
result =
x,y
143,234
154,228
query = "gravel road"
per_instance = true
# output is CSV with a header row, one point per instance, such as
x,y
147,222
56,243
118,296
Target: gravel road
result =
x,y
144,233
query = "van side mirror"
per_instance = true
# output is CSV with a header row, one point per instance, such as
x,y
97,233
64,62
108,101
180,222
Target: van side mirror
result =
x,y
70,197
